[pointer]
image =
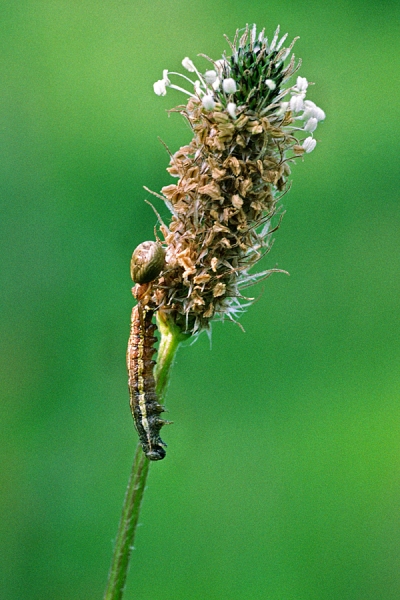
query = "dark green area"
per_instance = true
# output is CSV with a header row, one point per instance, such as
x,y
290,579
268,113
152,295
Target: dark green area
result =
x,y
282,475
251,66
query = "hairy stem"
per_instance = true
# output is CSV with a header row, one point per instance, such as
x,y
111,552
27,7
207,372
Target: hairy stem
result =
x,y
169,342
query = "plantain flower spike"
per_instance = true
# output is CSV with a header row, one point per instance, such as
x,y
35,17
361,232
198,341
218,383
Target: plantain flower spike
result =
x,y
249,123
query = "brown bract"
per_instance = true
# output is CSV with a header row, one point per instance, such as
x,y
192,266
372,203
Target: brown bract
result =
x,y
228,177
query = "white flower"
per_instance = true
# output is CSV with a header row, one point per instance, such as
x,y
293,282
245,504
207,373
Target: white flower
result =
x,y
312,110
160,87
231,108
311,125
296,103
188,64
229,85
208,102
301,84
270,84
216,84
309,144
210,77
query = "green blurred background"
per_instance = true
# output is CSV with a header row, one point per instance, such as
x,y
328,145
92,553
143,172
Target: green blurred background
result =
x,y
282,479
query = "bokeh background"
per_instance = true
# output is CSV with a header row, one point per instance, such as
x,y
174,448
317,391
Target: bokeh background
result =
x,y
282,479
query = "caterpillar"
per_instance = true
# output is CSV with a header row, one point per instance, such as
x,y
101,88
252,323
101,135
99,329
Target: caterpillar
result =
x,y
144,403
147,262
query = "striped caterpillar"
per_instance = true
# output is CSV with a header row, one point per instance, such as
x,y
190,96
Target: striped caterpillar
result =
x,y
143,398
147,262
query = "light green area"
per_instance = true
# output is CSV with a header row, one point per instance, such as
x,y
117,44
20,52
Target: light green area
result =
x,y
282,476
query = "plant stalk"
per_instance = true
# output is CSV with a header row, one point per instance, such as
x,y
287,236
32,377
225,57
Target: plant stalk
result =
x,y
170,338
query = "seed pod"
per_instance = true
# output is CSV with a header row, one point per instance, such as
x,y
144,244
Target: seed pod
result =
x,y
147,262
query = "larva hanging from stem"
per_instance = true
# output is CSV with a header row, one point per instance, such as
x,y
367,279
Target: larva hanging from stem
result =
x,y
143,398
147,263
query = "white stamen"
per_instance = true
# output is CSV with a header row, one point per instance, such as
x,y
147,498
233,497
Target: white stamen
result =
x,y
312,110
188,64
301,84
160,87
208,102
296,103
210,77
231,108
229,85
270,84
179,89
311,125
309,144
319,114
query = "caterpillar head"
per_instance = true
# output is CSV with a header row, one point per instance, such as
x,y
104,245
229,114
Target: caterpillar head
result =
x,y
147,262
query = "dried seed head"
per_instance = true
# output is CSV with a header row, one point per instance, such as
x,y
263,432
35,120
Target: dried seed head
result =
x,y
147,262
230,177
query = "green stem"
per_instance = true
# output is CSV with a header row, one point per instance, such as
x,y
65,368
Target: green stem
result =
x,y
127,526
171,337
169,342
